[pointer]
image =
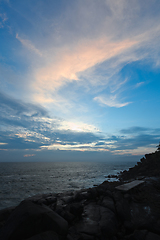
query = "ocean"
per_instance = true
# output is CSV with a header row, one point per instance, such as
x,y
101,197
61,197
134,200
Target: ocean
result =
x,y
22,180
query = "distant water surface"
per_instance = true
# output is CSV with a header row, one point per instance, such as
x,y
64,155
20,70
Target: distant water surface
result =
x,y
21,180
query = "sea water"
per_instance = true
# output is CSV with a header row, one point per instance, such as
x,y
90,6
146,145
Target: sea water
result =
x,y
22,180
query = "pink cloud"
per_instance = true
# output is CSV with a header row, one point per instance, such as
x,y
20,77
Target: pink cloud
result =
x,y
70,62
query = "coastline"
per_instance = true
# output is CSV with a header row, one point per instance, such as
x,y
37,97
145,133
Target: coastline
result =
x,y
101,212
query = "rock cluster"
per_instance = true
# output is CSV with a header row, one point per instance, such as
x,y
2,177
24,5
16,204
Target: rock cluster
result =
x,y
147,167
98,213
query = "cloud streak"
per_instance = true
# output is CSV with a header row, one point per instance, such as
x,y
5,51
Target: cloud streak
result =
x,y
70,63
111,101
26,43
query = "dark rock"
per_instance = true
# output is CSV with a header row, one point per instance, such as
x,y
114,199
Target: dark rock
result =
x,y
29,219
73,234
49,235
137,235
69,217
47,201
79,196
108,203
122,207
143,217
112,176
108,222
90,220
93,193
96,221
152,236
85,236
68,199
4,214
76,209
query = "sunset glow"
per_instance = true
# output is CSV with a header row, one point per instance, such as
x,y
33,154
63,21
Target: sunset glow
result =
x,y
79,76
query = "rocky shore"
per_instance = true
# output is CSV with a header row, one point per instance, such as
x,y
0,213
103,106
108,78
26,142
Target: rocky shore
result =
x,y
99,213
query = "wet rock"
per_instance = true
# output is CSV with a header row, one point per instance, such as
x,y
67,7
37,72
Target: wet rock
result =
x,y
29,219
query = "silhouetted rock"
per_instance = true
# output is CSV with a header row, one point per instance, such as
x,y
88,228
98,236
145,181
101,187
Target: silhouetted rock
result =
x,y
29,219
4,214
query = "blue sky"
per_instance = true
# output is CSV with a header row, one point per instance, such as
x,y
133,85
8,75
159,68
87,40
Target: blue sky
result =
x,y
79,80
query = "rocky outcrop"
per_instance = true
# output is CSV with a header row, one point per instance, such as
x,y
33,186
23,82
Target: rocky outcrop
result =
x,y
147,167
99,213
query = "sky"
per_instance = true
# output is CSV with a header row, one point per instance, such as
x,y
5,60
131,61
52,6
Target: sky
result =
x,y
79,80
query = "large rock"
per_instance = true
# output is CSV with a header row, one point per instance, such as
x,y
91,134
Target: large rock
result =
x,y
29,219
143,217
122,207
4,214
96,221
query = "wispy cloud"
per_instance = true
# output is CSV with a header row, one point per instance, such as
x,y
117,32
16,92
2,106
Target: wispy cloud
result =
x,y
71,62
29,45
111,101
74,57
29,155
91,54
3,19
139,84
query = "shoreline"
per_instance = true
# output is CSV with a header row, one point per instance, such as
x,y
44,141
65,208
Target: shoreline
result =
x,y
100,212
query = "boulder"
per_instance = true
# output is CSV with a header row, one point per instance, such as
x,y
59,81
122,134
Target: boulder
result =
x,y
96,221
29,219
108,222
